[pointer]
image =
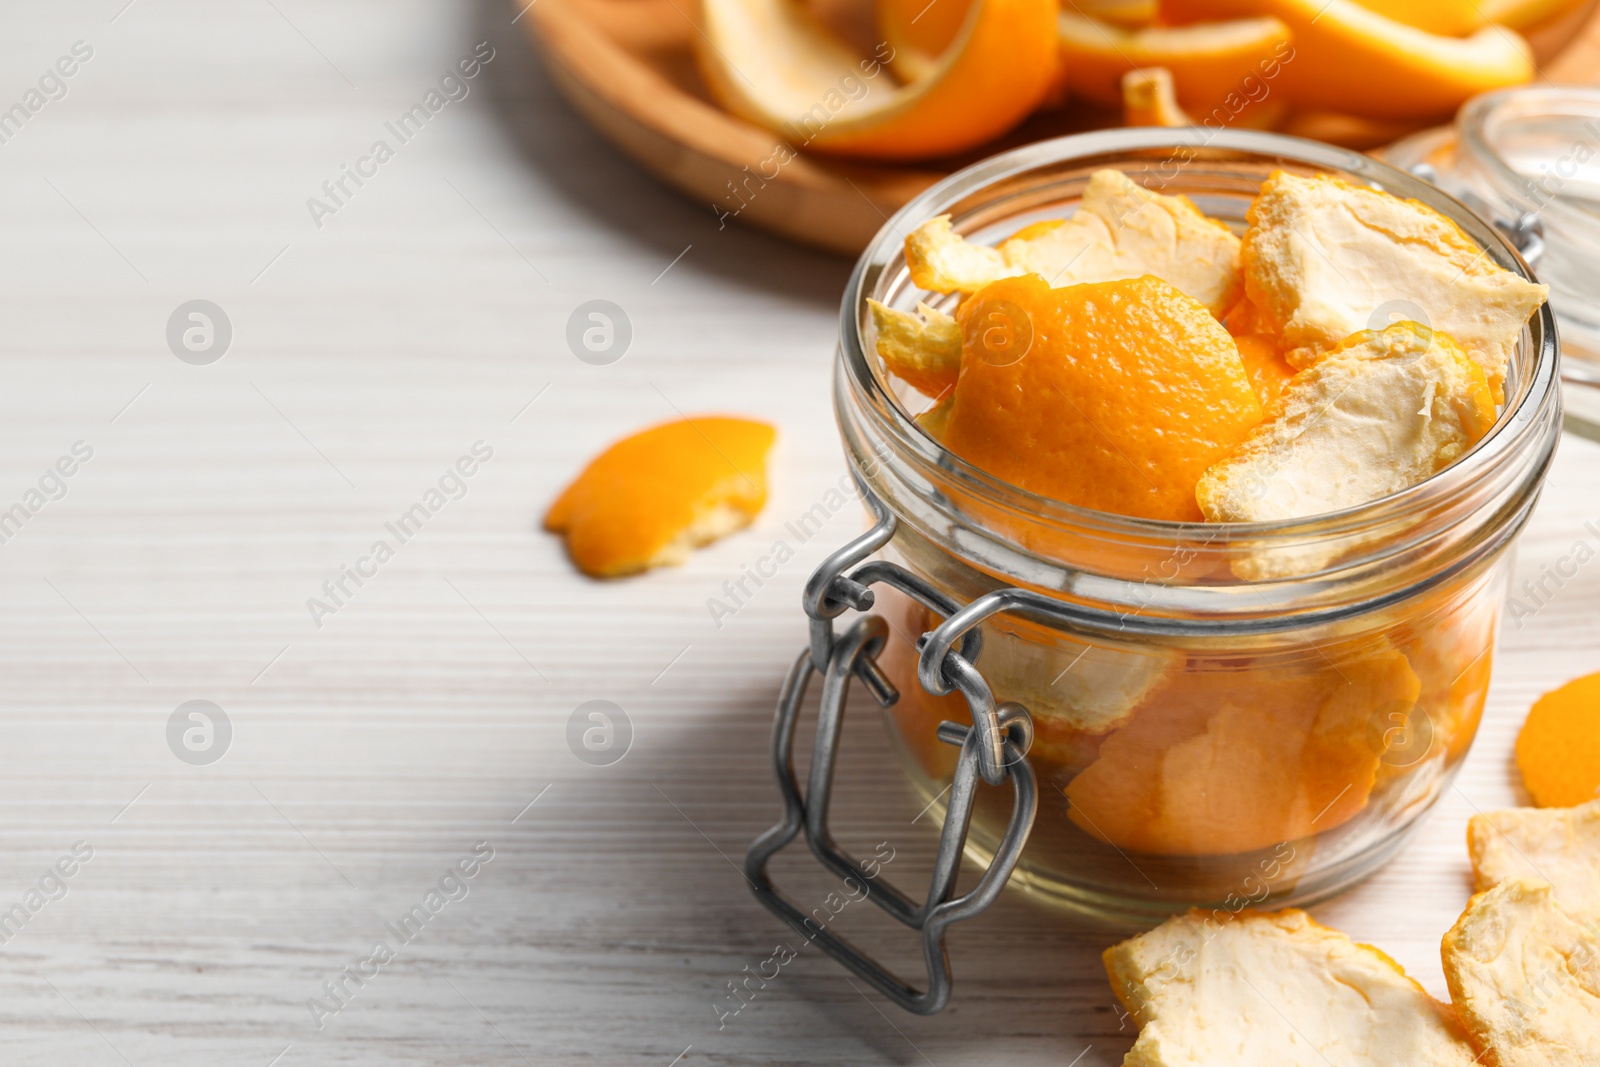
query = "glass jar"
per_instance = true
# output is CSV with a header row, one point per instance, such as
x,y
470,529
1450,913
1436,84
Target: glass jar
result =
x,y
1528,160
1224,716
1525,155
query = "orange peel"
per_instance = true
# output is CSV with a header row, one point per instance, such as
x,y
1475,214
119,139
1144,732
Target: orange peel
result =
x,y
1524,976
1526,14
1556,845
1269,372
1324,259
654,495
1378,414
1121,230
919,32
1457,18
1128,14
1226,986
1558,750
1148,99
923,349
770,62
1209,61
1348,58
1108,395
1448,18
1224,761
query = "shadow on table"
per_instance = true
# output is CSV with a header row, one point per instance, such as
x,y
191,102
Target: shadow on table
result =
x,y
611,189
1028,985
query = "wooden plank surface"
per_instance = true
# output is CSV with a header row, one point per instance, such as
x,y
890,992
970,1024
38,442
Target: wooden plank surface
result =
x,y
429,711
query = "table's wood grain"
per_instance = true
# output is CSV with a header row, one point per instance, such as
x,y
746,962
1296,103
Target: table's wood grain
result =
x,y
428,713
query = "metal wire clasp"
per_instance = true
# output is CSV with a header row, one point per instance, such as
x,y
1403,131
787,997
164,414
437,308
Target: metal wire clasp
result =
x,y
992,749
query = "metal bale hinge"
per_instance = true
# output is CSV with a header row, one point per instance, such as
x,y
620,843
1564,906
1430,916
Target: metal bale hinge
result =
x,y
992,750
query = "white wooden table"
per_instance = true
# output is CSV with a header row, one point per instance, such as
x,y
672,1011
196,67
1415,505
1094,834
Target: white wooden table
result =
x,y
429,711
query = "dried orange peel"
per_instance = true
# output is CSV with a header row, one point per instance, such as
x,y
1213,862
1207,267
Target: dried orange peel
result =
x,y
1524,975
654,495
1120,230
1558,750
1236,987
1217,761
1376,415
1348,58
1209,61
1560,846
1108,395
1148,99
1323,258
924,351
771,62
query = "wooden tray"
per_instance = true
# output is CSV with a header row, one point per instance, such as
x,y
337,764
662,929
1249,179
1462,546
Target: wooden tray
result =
x,y
628,67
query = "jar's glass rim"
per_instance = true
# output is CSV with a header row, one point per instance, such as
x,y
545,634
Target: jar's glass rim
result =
x,y
1478,115
1520,417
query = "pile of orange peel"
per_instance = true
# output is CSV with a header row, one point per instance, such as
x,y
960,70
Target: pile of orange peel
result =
x,y
1138,358
947,76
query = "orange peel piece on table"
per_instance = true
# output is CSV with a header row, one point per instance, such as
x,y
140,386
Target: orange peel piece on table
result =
x,y
1228,988
1324,259
1215,762
924,349
1556,845
650,498
1107,395
1209,61
1148,99
1524,976
1349,58
1558,750
771,62
1121,230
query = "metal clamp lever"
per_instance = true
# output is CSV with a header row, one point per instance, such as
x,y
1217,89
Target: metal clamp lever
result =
x,y
809,814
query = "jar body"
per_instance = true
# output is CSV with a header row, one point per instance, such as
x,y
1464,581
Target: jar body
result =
x,y
1226,775
1228,716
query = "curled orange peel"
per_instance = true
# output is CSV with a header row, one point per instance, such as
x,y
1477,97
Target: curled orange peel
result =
x,y
770,62
924,351
919,32
1210,61
1348,58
